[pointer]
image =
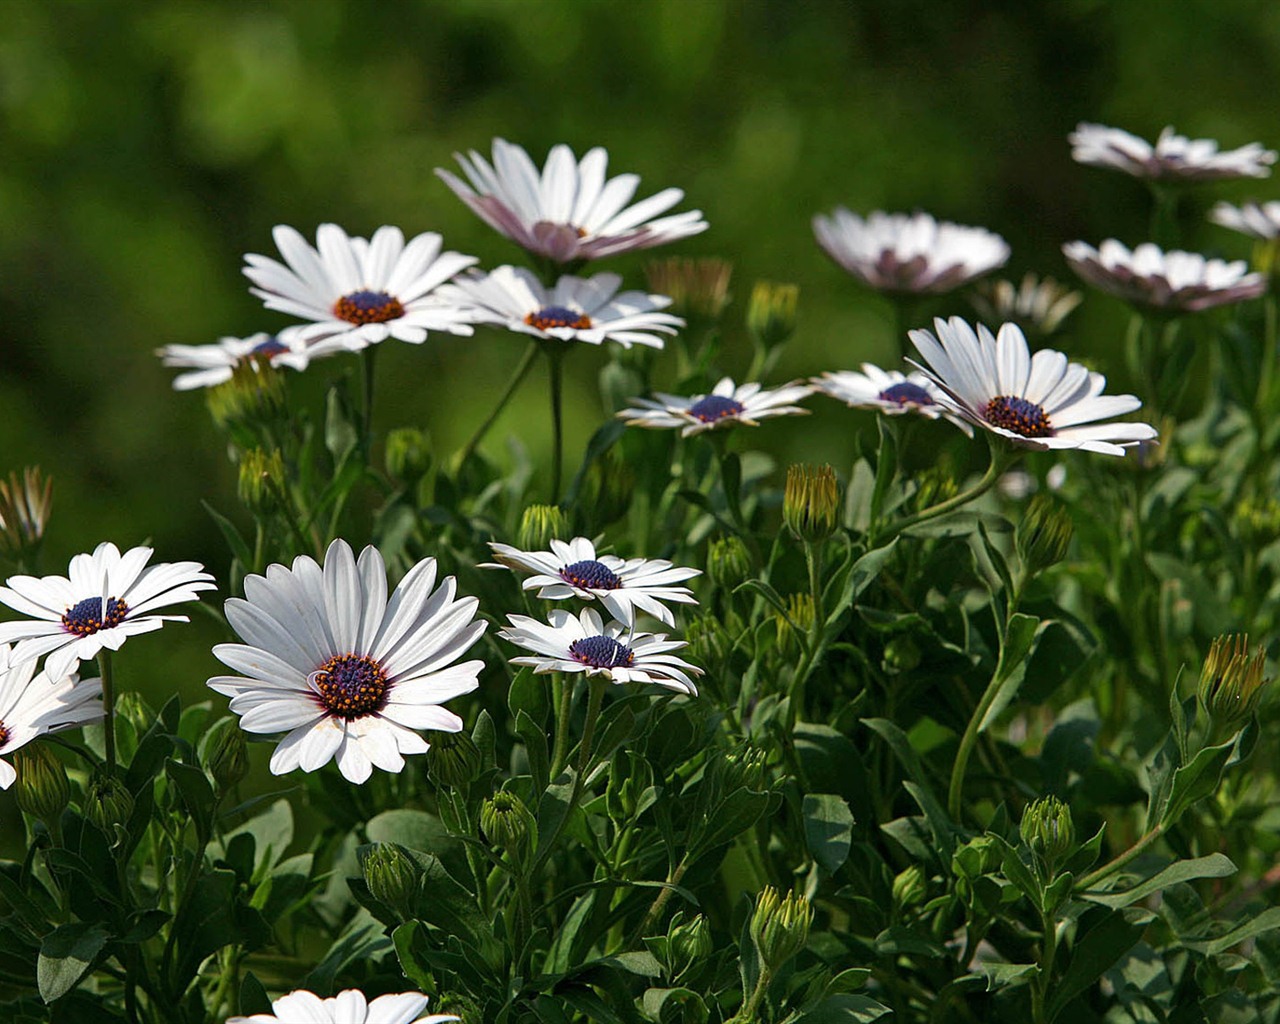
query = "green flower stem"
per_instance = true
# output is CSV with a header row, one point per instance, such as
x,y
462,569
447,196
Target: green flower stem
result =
x,y
108,708
595,699
368,357
1001,459
1112,866
661,900
521,371
748,1011
556,358
813,649
1267,371
1048,952
562,690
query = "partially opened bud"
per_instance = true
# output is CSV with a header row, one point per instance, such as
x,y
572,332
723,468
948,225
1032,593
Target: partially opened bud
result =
x,y
25,503
1048,830
771,313
1231,681
779,926
261,480
108,803
41,788
811,502
539,526
728,562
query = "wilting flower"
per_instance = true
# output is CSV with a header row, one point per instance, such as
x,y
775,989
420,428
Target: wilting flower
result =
x,y
577,309
583,643
210,365
35,703
1173,158
358,292
348,673
726,405
896,252
1257,220
105,599
1179,281
568,211
25,504
349,1007
888,391
1042,402
573,569
1037,304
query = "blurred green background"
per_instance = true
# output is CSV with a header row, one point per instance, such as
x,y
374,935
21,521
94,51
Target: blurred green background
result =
x,y
147,146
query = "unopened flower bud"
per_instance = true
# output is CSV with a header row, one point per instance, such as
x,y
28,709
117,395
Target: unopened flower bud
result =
x,y
108,803
133,708
746,768
607,488
228,757
901,654
41,789
779,927
728,562
254,394
934,486
1231,681
771,313
709,642
811,502
408,455
800,613
507,824
688,942
698,288
25,503
1048,830
261,479
1258,520
1044,535
908,887
392,878
539,526
453,760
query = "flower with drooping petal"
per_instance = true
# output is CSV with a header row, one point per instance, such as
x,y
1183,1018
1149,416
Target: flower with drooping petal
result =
x,y
32,704
1043,402
358,292
912,254
346,672
105,598
887,391
1257,220
349,1007
211,365
583,643
573,569
1184,282
587,309
1174,158
569,211
726,405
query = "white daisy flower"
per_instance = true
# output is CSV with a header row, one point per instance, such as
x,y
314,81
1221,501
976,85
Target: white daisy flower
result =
x,y
726,405
568,212
1257,220
358,292
211,365
1173,158
348,673
1042,402
583,643
32,704
1180,281
576,309
349,1007
105,598
895,252
888,391
573,569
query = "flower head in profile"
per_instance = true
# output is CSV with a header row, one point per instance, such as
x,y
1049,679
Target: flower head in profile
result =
x,y
727,404
357,292
887,391
33,703
623,586
1182,282
913,254
348,673
210,365
568,211
1041,402
1257,220
349,1007
1038,305
589,309
104,599
583,643
1173,158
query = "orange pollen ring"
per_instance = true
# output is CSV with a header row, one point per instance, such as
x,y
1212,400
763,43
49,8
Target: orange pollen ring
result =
x,y
4,735
350,686
368,308
558,316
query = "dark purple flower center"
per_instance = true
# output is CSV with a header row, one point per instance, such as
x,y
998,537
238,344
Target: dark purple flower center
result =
x,y
366,307
1019,416
602,652
270,347
906,393
590,575
714,408
558,316
86,617
4,735
350,686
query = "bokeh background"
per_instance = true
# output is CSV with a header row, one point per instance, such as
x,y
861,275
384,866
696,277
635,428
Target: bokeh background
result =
x,y
144,147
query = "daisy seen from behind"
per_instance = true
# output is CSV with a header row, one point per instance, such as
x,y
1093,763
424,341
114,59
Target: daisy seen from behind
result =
x,y
357,292
1041,402
32,704
583,643
104,599
348,1007
623,586
726,405
210,365
568,211
346,672
590,310
1173,158
886,391
908,253
1178,281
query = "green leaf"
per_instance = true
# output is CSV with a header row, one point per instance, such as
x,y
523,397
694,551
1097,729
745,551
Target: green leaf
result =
x,y
340,435
238,545
1196,780
862,574
529,694
1105,937
253,996
66,955
1006,976
828,829
939,821
415,830
554,806
1264,922
1020,642
845,1009
196,793
675,1006
1213,866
